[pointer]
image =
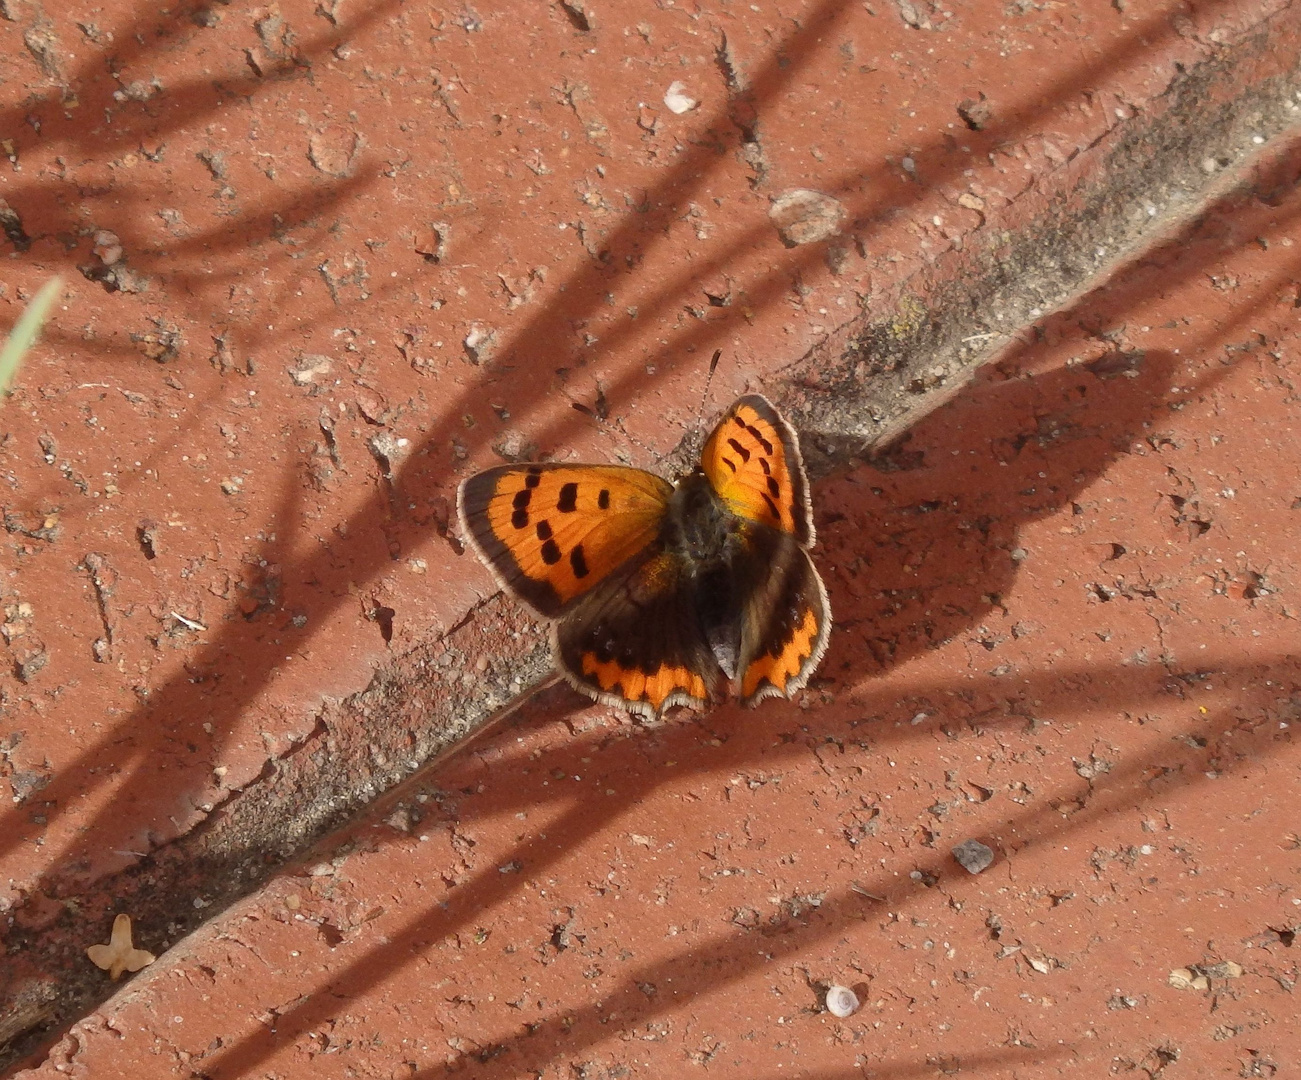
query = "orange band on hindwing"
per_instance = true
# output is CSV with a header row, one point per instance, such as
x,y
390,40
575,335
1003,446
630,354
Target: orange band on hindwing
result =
x,y
653,688
778,670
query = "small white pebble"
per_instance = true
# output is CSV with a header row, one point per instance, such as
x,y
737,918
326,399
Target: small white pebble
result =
x,y
841,1001
678,100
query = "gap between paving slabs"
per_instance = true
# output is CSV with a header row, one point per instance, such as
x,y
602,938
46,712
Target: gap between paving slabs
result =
x,y
856,392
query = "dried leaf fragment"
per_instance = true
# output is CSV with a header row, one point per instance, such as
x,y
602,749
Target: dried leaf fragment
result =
x,y
119,954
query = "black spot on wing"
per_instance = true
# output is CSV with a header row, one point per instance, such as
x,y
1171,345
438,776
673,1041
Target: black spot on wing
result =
x,y
601,642
550,553
730,463
772,506
774,487
742,452
544,530
578,562
603,499
534,477
568,501
520,517
759,438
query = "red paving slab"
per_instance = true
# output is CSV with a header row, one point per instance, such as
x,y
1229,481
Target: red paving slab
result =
x,y
229,475
1067,627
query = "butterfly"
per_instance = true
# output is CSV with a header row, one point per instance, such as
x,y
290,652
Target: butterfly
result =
x,y
665,594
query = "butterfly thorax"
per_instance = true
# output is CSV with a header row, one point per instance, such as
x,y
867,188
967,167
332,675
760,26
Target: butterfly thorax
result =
x,y
697,525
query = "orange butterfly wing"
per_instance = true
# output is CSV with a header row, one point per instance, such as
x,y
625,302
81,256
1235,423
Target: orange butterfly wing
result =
x,y
753,461
551,532
786,619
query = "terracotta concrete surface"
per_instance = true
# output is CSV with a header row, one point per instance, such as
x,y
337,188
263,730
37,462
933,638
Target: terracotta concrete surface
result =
x,y
321,262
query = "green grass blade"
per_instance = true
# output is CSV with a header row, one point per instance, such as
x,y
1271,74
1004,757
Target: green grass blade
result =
x,y
25,332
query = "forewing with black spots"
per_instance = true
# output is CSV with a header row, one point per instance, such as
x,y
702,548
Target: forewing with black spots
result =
x,y
753,461
551,532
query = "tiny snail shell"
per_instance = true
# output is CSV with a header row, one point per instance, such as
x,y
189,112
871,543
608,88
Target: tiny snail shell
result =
x,y
841,1001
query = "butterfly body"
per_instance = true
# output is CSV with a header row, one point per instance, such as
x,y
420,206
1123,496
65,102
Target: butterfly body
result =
x,y
666,594
710,543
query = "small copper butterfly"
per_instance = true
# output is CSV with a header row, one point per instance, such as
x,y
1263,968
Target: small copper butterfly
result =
x,y
666,594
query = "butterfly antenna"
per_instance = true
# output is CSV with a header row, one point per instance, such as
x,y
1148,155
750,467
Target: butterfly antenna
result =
x,y
704,398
